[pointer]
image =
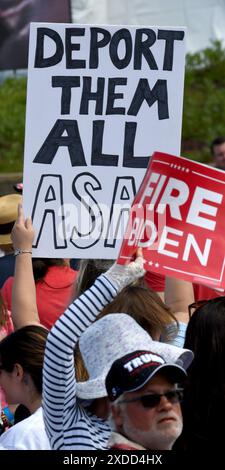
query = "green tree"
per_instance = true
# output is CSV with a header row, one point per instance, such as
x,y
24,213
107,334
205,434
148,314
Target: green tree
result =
x,y
12,124
204,101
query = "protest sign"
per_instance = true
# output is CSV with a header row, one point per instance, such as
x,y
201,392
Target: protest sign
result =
x,y
100,101
177,217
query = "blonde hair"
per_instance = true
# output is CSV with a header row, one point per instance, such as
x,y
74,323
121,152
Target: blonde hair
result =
x,y
144,306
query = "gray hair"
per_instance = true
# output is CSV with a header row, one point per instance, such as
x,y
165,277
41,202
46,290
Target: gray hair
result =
x,y
116,404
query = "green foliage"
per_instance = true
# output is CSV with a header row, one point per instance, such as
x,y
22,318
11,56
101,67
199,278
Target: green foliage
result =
x,y
12,124
204,101
203,110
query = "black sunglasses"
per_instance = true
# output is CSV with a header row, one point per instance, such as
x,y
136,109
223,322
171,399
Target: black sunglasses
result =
x,y
200,303
153,399
195,305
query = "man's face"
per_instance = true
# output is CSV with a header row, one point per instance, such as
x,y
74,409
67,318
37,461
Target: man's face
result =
x,y
154,428
219,156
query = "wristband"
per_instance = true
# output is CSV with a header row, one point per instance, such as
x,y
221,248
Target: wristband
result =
x,y
20,252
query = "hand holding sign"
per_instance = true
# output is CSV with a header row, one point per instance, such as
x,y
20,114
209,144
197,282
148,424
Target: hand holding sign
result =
x,y
130,271
178,219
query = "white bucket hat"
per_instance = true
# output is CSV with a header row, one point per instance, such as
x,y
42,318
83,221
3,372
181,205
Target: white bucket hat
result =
x,y
112,337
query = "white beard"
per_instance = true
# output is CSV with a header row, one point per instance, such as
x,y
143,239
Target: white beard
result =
x,y
157,437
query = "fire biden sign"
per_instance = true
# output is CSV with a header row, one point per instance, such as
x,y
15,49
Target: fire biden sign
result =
x,y
178,218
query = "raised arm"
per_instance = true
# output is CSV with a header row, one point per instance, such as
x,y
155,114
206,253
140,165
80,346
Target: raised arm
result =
x,y
178,295
24,307
61,411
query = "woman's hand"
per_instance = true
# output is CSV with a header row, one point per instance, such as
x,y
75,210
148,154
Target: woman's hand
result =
x,y
123,275
24,307
22,234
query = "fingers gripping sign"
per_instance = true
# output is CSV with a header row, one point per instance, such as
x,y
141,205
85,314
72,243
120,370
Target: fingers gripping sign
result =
x,y
22,233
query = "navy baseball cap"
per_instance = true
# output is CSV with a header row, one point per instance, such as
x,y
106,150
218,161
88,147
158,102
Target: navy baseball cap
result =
x,y
134,370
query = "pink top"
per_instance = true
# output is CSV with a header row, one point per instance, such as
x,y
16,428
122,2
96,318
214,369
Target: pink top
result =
x,y
54,293
8,327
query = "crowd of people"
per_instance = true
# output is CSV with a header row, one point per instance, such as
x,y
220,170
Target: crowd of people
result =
x,y
94,358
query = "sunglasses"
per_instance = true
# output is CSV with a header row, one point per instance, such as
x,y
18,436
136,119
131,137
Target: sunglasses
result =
x,y
200,303
195,305
153,399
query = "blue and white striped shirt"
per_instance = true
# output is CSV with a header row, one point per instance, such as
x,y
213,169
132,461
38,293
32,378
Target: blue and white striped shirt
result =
x,y
69,425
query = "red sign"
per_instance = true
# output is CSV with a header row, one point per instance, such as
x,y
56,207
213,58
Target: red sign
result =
x,y
178,218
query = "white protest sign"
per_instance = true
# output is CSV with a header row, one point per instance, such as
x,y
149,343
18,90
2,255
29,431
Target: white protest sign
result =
x,y
100,101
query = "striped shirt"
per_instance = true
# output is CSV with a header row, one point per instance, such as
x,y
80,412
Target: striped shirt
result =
x,y
69,424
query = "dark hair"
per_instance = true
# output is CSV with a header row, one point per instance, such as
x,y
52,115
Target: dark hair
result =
x,y
26,347
216,141
204,396
41,265
89,270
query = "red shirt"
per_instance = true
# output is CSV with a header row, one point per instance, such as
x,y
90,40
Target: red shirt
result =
x,y
54,293
157,283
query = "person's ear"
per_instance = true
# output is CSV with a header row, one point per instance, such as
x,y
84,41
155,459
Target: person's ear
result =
x,y
18,372
117,416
